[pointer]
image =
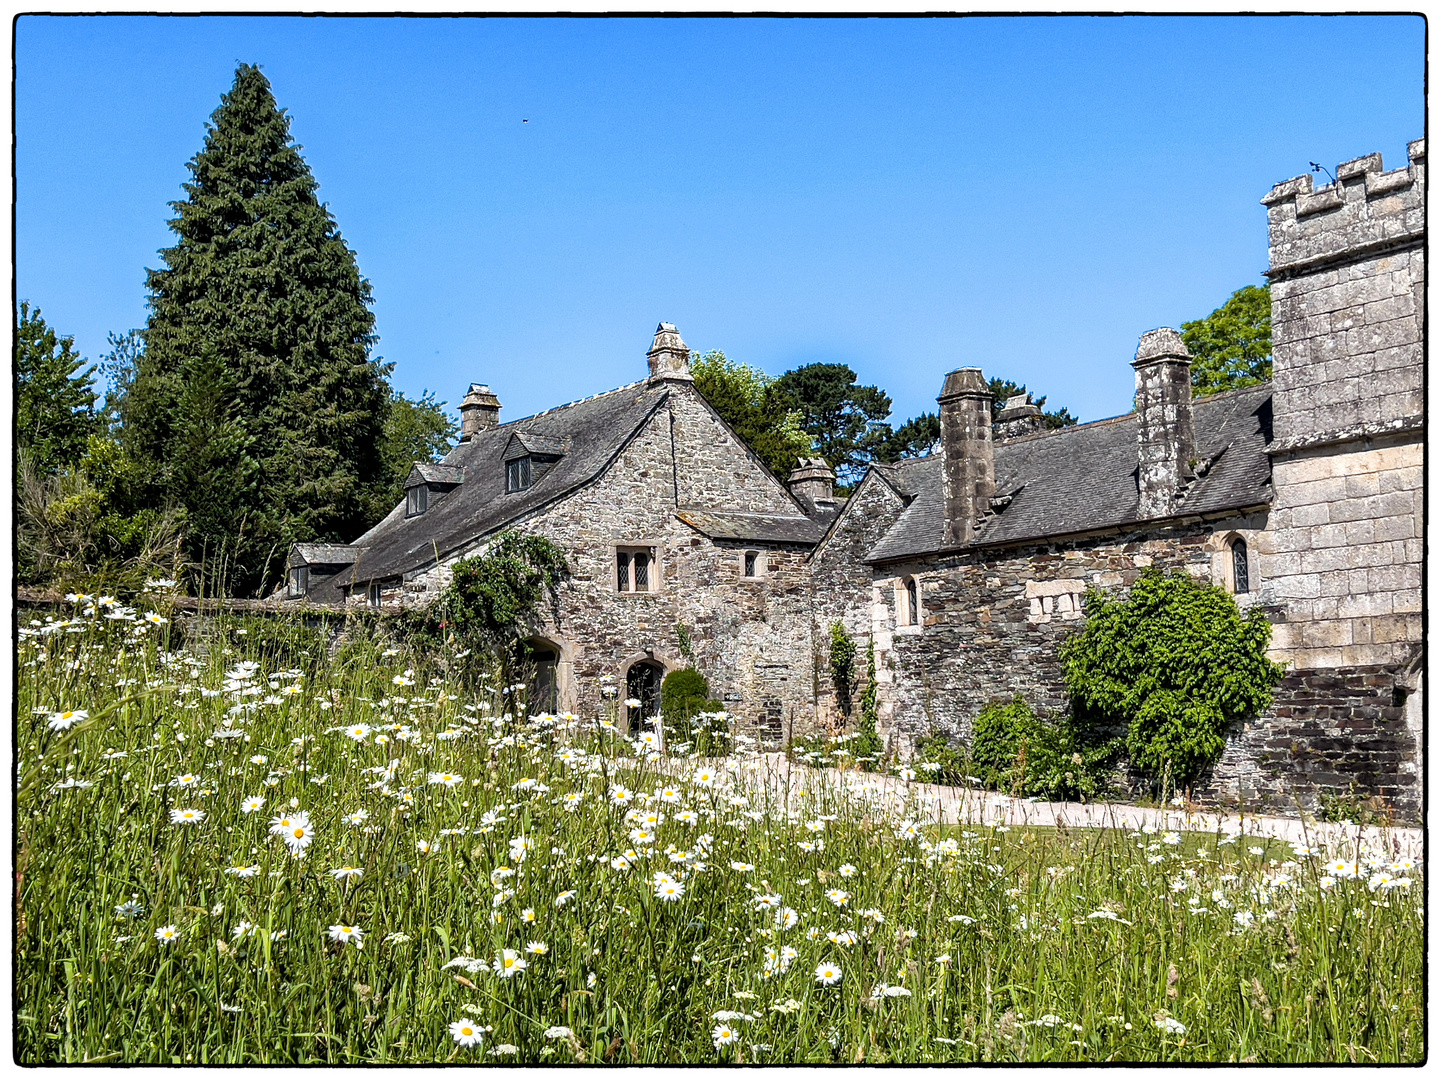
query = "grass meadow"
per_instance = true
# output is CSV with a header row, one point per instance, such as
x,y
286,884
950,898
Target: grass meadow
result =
x,y
232,851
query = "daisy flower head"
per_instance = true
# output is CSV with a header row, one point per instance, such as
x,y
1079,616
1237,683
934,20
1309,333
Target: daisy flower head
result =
x,y
187,780
167,935
536,948
528,915
509,963
345,933
838,897
703,777
358,732
449,780
742,867
243,871
343,872
186,817
668,889
282,823
358,817
565,898
64,721
466,1032
621,796
828,974
130,909
155,618
724,1035
253,803
847,870
298,837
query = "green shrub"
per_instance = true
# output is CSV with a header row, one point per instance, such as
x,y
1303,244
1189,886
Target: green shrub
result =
x,y
1014,750
1175,664
692,718
952,763
842,665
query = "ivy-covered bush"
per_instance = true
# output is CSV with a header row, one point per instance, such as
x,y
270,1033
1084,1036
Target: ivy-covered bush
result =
x,y
1014,750
691,717
842,665
1174,665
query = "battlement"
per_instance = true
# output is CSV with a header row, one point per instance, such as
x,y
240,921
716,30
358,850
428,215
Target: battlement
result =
x,y
1365,212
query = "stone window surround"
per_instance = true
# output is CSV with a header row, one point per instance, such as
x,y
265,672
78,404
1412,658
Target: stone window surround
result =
x,y
1222,562
655,548
762,563
902,605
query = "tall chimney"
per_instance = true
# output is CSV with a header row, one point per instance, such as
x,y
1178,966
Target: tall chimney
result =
x,y
813,481
479,410
1166,428
1018,418
669,356
968,453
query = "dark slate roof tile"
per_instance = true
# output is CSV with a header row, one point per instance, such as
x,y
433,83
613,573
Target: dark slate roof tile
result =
x,y
737,525
1082,478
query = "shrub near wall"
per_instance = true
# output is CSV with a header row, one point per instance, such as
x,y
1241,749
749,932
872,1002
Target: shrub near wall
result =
x,y
1014,750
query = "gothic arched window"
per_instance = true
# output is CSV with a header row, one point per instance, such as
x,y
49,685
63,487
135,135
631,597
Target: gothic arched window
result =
x,y
1240,563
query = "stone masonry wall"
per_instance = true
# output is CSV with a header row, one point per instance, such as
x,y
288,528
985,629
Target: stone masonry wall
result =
x,y
751,639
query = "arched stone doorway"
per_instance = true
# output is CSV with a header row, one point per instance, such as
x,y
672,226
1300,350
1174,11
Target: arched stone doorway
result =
x,y
642,684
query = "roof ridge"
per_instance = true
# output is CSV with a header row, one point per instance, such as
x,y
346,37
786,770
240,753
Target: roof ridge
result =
x,y
1050,432
571,404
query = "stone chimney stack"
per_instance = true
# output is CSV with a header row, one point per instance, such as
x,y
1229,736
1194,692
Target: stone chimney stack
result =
x,y
479,410
1018,417
813,481
1166,420
968,453
669,356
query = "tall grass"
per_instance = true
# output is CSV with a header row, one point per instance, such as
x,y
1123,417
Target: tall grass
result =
x,y
974,944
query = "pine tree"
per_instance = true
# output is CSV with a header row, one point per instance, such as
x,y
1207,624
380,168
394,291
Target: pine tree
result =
x,y
262,279
54,403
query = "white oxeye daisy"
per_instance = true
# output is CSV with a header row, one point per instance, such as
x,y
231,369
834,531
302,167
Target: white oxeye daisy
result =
x,y
537,948
448,779
64,721
298,837
669,889
838,897
847,870
508,964
565,898
253,803
167,935
358,732
343,872
724,1035
528,915
242,871
348,933
157,619
828,974
357,818
186,817
466,1032
424,847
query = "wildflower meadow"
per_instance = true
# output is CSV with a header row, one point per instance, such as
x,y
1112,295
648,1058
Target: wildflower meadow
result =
x,y
233,850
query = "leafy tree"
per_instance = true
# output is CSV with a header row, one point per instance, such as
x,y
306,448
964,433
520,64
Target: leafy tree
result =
x,y
494,601
118,367
54,403
415,430
745,398
1231,345
846,420
261,275
1174,664
919,437
1002,389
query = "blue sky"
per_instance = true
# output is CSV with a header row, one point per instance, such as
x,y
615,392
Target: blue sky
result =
x,y
904,196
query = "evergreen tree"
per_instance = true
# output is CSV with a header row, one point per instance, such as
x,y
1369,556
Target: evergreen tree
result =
x,y
1003,389
415,430
1231,345
846,420
262,279
54,403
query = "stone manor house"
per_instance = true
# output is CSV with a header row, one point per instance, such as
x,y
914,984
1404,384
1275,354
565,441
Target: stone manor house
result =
x,y
965,569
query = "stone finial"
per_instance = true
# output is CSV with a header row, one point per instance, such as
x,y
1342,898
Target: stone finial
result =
x,y
814,480
967,451
1018,417
669,356
1166,420
479,410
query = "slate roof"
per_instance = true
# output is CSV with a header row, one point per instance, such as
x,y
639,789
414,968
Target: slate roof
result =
x,y
325,554
737,525
534,442
594,432
1083,478
423,472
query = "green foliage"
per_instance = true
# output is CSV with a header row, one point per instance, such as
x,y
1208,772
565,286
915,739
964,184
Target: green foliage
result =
x,y
951,763
1231,345
691,715
261,276
867,746
54,403
745,398
846,420
682,636
1014,750
919,437
842,665
494,601
415,430
1001,389
1175,664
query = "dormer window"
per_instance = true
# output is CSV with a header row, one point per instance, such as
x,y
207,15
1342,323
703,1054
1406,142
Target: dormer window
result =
x,y
417,500
427,483
299,580
517,474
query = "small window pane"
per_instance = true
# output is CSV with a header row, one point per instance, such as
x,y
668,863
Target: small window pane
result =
x,y
622,570
517,475
375,595
642,572
912,597
750,563
1241,558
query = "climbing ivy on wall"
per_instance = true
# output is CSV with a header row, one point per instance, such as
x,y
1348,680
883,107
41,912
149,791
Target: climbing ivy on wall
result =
x,y
842,665
1175,664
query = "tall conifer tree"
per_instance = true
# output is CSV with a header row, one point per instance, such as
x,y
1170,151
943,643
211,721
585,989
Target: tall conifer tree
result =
x,y
262,284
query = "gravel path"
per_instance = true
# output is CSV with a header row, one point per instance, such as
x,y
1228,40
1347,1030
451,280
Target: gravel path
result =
x,y
779,777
